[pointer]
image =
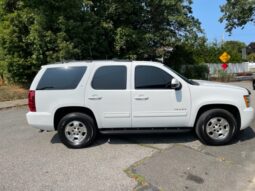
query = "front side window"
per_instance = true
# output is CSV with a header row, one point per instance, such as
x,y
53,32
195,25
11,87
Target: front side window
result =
x,y
110,78
150,77
61,78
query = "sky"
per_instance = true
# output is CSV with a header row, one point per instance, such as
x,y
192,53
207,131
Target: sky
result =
x,y
208,13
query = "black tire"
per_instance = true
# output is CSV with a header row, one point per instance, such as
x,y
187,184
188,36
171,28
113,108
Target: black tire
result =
x,y
82,119
204,120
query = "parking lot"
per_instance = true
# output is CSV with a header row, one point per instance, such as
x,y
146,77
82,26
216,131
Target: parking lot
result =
x,y
30,160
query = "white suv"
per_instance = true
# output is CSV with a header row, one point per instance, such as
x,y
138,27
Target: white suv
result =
x,y
80,99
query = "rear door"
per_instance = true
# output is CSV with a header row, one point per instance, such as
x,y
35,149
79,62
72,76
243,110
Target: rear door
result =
x,y
108,94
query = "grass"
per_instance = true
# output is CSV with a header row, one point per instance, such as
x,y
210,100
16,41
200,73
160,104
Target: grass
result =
x,y
142,184
12,92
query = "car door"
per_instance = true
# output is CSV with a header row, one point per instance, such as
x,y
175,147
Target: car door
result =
x,y
154,103
108,95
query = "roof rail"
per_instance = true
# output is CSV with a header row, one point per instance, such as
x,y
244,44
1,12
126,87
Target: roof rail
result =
x,y
68,61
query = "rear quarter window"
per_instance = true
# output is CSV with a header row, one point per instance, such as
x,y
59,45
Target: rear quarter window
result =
x,y
61,78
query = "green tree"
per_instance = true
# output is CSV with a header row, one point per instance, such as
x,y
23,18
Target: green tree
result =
x,y
201,51
35,32
234,49
251,57
251,48
139,29
210,52
237,13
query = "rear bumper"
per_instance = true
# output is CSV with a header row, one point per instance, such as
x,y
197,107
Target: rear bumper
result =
x,y
40,120
247,117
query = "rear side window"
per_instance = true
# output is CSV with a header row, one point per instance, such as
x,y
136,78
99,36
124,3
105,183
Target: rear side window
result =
x,y
150,77
110,78
61,78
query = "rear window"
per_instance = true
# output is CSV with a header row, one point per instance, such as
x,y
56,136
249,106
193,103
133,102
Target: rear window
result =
x,y
61,78
110,78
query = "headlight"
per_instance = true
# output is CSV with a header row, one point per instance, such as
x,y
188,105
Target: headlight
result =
x,y
247,100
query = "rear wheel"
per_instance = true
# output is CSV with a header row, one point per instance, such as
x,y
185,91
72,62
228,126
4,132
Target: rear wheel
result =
x,y
77,130
216,127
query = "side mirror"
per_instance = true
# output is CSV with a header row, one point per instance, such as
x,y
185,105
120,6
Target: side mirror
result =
x,y
175,84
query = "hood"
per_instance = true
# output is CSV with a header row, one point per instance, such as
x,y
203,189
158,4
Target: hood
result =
x,y
218,84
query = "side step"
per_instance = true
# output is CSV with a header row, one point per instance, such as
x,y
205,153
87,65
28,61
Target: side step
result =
x,y
145,130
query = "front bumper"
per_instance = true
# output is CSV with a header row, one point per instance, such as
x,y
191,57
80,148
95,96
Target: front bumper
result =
x,y
247,116
40,120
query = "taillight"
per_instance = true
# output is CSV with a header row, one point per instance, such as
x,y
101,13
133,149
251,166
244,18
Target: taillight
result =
x,y
31,101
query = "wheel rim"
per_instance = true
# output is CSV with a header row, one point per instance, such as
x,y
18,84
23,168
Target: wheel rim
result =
x,y
76,132
217,128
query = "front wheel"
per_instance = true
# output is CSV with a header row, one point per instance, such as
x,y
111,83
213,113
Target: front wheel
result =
x,y
216,127
77,130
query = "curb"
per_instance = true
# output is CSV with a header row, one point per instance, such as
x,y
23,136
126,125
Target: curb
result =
x,y
11,104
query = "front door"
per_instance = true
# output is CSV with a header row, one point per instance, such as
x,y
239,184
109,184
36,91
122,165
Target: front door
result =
x,y
154,103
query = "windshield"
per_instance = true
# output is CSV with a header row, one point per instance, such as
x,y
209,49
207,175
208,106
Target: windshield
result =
x,y
183,77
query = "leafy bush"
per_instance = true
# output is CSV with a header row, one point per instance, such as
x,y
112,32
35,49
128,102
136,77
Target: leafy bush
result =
x,y
21,72
224,76
199,71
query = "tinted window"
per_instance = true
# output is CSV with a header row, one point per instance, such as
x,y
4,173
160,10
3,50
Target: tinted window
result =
x,y
61,78
149,77
110,78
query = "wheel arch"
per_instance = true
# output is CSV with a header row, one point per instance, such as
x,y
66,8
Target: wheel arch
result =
x,y
230,108
61,112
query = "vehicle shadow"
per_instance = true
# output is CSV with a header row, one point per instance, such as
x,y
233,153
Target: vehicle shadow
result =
x,y
245,135
150,138
158,138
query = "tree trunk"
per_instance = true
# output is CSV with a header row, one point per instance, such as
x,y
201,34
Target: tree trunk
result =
x,y
2,78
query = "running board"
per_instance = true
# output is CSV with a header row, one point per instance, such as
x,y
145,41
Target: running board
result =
x,y
144,130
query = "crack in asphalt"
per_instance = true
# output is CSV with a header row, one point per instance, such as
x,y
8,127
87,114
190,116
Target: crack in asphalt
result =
x,y
144,185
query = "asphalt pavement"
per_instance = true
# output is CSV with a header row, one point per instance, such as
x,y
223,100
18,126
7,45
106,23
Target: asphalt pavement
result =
x,y
30,160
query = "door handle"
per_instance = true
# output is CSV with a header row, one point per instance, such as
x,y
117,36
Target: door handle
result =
x,y
141,98
95,97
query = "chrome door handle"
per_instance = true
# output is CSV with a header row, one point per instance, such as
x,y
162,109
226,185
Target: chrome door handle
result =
x,y
95,98
142,98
